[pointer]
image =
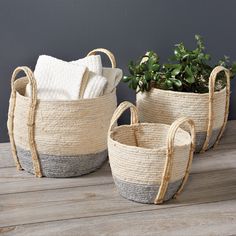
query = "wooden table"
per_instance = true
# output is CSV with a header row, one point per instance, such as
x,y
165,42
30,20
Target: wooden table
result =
x,y
91,205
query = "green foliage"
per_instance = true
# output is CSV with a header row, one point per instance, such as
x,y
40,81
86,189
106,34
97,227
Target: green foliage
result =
x,y
188,71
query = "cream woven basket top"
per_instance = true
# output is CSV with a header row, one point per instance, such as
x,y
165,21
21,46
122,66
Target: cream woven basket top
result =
x,y
208,110
57,128
150,153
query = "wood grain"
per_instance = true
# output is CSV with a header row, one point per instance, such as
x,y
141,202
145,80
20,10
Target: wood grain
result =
x,y
91,205
214,160
204,219
77,202
13,181
6,159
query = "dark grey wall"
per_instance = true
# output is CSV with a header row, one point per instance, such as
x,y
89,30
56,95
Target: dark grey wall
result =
x,y
68,29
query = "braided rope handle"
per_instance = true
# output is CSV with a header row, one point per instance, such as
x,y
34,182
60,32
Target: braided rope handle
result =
x,y
107,52
31,118
169,157
120,110
212,81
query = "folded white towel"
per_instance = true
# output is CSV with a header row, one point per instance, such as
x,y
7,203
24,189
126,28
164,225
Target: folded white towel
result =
x,y
83,78
114,76
96,82
93,62
57,79
95,86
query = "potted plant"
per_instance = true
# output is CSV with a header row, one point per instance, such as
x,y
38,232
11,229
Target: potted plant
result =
x,y
186,86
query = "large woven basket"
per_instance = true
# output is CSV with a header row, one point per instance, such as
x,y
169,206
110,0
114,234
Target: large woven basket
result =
x,y
150,162
209,111
58,138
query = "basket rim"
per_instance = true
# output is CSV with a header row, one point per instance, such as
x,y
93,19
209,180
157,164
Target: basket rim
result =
x,y
155,90
143,149
103,97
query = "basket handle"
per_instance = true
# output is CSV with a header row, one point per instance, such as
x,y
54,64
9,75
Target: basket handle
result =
x,y
29,75
169,157
31,118
211,85
119,111
107,52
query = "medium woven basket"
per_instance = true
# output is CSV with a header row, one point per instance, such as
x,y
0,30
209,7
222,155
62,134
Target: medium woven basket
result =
x,y
58,138
209,111
150,162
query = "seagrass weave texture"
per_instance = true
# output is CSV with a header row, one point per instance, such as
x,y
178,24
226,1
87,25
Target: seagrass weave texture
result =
x,y
209,111
150,162
69,138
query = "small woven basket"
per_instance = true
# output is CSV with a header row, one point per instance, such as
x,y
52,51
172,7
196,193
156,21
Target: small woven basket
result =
x,y
209,111
58,138
150,162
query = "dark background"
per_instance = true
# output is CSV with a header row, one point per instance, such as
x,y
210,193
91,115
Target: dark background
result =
x,y
68,29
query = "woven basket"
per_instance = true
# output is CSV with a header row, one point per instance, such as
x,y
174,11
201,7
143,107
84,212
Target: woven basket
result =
x,y
58,138
209,111
150,162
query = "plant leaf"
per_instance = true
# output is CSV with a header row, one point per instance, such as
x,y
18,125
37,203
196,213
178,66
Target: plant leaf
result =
x,y
177,83
189,75
176,71
169,84
126,79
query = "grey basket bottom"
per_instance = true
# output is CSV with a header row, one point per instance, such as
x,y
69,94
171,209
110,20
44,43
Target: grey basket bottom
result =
x,y
144,193
63,166
201,137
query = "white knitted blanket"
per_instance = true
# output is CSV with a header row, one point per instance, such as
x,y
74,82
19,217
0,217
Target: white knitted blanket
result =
x,y
94,63
96,82
57,79
83,78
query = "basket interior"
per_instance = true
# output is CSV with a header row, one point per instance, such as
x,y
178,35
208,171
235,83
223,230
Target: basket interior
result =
x,y
148,135
20,85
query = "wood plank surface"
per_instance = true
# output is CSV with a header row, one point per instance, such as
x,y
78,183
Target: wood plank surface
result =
x,y
76,206
204,219
5,156
13,181
49,205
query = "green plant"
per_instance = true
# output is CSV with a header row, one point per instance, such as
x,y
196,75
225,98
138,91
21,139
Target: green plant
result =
x,y
187,71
